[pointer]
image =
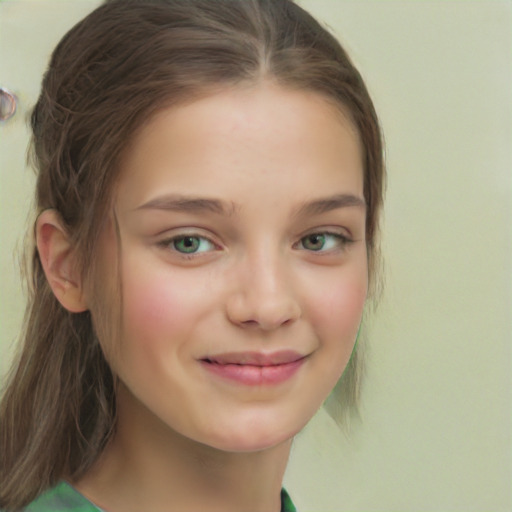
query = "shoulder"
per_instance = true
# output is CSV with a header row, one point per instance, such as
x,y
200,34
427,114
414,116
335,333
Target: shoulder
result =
x,y
62,498
286,502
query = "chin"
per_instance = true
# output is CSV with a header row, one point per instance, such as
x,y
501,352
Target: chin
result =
x,y
250,444
258,436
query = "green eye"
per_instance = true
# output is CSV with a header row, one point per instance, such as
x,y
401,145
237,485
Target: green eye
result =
x,y
191,244
314,242
187,244
323,242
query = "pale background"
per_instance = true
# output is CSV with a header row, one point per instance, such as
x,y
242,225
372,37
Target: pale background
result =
x,y
436,405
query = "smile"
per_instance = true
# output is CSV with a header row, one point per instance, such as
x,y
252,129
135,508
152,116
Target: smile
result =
x,y
255,369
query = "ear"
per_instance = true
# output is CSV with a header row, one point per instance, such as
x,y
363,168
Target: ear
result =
x,y
59,262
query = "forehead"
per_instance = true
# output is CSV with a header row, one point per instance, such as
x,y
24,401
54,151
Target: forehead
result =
x,y
242,139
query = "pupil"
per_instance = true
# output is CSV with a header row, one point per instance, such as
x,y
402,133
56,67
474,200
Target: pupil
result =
x,y
316,241
187,244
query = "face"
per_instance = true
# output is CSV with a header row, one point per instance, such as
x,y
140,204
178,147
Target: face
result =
x,y
244,267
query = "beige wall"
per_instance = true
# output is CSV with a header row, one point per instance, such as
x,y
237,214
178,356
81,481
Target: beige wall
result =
x,y
436,431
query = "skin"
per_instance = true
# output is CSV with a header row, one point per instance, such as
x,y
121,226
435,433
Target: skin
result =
x,y
259,281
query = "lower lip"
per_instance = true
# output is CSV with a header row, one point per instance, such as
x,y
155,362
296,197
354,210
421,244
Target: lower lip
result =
x,y
255,375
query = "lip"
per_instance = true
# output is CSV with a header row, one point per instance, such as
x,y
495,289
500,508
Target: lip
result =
x,y
254,368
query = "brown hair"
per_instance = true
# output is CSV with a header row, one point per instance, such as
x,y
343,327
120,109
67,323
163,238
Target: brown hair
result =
x,y
106,78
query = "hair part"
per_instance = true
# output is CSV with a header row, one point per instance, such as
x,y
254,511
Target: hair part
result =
x,y
108,76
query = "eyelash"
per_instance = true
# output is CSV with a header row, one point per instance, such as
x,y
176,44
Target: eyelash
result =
x,y
170,244
340,241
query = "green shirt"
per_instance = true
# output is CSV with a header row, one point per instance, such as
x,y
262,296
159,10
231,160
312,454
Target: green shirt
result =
x,y
64,498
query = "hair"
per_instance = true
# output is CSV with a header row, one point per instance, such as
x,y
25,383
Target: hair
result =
x,y
107,77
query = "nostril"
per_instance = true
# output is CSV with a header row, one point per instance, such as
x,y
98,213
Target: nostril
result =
x,y
264,308
250,323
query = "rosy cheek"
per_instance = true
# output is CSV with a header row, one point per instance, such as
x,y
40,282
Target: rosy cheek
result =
x,y
151,307
340,309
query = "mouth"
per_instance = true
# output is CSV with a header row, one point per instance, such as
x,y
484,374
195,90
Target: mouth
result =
x,y
254,368
255,358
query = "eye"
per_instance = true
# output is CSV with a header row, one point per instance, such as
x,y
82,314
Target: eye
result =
x,y
322,242
190,244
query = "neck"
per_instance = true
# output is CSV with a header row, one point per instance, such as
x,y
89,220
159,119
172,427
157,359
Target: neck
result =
x,y
150,466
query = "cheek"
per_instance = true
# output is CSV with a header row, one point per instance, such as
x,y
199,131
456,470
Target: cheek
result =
x,y
152,306
161,305
339,307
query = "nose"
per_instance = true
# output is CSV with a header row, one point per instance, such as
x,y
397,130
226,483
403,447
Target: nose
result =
x,y
262,295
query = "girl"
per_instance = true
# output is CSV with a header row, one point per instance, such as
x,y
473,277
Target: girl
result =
x,y
210,179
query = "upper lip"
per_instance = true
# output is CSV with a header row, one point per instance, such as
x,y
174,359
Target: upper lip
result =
x,y
255,358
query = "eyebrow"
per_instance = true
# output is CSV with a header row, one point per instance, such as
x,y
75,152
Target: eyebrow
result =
x,y
327,204
179,203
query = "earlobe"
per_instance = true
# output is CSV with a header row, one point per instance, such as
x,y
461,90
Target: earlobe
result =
x,y
58,260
